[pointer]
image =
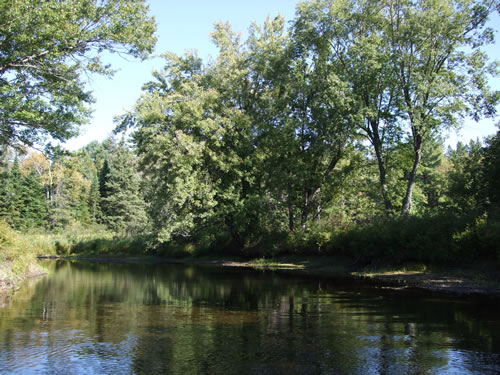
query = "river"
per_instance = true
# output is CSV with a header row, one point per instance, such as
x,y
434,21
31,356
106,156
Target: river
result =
x,y
112,318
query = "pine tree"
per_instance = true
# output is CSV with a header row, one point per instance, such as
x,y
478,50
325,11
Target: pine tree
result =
x,y
13,204
122,205
4,187
103,179
33,209
95,200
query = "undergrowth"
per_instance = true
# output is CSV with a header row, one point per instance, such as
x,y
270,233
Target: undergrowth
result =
x,y
16,254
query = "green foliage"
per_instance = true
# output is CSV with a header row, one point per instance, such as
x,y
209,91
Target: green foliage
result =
x,y
405,67
85,240
465,180
45,48
428,239
11,202
491,171
303,140
16,255
121,202
241,143
22,200
33,209
481,238
432,180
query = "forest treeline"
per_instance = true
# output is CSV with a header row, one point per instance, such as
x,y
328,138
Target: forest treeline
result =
x,y
455,209
323,136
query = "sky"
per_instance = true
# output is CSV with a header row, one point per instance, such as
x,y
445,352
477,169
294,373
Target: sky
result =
x,y
186,25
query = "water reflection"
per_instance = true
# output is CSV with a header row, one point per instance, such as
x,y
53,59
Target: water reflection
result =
x,y
121,318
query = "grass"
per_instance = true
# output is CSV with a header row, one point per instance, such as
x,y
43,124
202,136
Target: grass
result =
x,y
18,252
67,241
79,240
17,256
404,269
274,263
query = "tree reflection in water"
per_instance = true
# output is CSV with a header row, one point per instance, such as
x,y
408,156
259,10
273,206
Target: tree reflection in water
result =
x,y
138,318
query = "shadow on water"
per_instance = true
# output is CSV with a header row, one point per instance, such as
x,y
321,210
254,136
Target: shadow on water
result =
x,y
136,318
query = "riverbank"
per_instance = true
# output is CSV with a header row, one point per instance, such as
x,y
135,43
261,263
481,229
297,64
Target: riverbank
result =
x,y
476,279
18,260
10,279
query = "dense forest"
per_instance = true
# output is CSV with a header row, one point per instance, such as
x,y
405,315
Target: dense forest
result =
x,y
321,136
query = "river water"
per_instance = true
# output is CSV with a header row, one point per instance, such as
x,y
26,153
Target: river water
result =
x,y
105,318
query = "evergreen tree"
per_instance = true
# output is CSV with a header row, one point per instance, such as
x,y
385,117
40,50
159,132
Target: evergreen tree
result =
x,y
122,205
103,180
95,200
4,186
12,200
33,210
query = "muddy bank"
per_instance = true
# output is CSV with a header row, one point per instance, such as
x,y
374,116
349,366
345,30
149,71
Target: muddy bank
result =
x,y
473,281
440,282
10,280
453,281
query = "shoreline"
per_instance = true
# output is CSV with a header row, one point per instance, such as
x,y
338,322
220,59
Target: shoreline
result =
x,y
455,281
11,281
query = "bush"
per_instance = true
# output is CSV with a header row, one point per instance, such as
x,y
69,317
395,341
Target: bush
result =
x,y
428,239
481,238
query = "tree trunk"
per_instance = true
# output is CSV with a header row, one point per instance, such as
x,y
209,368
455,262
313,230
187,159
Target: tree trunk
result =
x,y
235,234
310,199
309,202
407,201
291,223
377,145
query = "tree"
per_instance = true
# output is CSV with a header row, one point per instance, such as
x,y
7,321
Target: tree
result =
x,y
465,180
441,71
11,203
45,48
348,36
491,170
251,142
176,125
412,68
87,163
33,209
302,118
122,204
432,180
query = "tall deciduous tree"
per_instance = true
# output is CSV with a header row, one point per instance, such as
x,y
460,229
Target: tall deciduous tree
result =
x,y
442,72
348,36
414,67
257,134
312,121
45,47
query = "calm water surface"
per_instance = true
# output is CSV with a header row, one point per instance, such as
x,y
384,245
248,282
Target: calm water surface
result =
x,y
92,318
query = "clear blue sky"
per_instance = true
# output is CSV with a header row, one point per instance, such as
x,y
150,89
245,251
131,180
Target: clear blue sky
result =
x,y
186,25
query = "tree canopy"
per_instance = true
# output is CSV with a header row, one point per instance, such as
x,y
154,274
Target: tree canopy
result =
x,y
46,46
306,136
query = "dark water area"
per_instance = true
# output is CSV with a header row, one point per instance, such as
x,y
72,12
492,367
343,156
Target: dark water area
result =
x,y
101,318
